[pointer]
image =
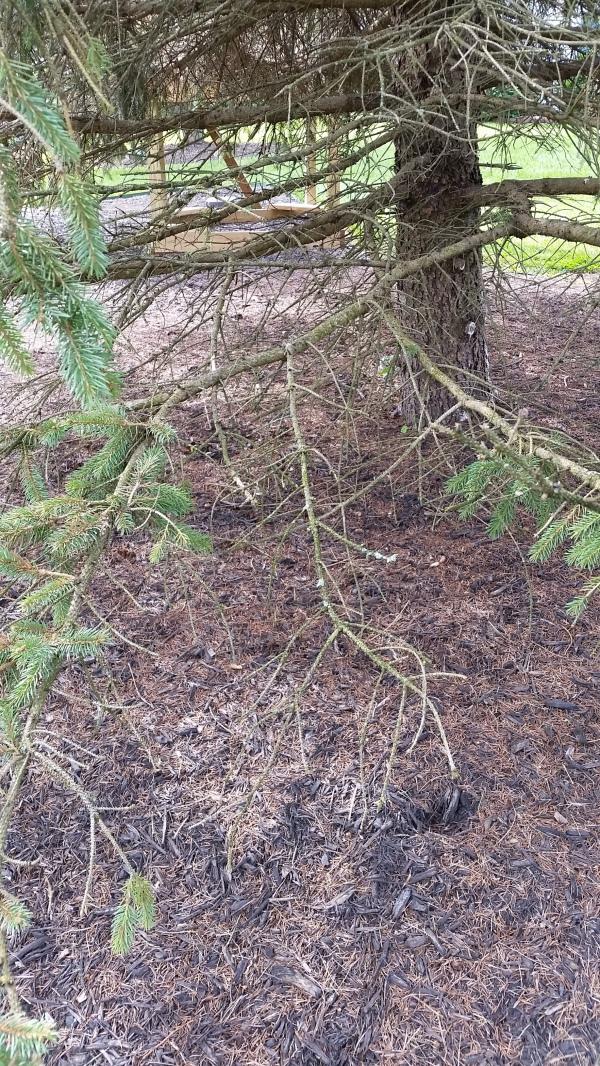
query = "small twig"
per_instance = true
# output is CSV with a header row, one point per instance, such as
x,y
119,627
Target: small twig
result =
x,y
74,786
90,875
220,432
323,585
293,710
394,748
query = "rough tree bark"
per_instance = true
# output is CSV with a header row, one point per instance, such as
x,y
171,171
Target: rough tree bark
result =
x,y
442,309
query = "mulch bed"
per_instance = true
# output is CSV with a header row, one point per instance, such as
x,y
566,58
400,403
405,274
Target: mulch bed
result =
x,y
450,924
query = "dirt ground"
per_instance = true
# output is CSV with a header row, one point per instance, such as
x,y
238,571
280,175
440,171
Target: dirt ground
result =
x,y
450,925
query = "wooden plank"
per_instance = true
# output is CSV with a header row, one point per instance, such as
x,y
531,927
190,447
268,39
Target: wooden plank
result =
x,y
311,164
295,209
260,213
334,188
158,177
197,239
232,163
245,214
204,239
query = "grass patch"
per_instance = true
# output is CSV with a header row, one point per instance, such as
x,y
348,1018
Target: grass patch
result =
x,y
534,152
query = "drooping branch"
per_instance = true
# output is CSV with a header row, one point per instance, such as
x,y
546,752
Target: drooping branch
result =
x,y
134,10
583,474
559,228
217,117
232,117
514,191
195,385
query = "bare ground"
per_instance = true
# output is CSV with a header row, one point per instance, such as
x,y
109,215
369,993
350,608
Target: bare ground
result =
x,y
450,925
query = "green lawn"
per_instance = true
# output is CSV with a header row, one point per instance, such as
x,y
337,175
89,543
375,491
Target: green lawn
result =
x,y
536,156
527,152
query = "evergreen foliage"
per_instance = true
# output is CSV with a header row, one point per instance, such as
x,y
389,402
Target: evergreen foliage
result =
x,y
137,910
82,214
23,94
52,541
14,915
35,275
510,488
23,1040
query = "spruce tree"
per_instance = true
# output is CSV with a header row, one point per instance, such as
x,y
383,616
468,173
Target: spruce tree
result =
x,y
416,77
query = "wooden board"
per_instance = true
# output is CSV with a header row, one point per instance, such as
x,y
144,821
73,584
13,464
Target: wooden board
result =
x,y
260,213
196,240
214,240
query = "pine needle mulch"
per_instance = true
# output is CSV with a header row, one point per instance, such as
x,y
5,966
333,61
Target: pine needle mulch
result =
x,y
448,925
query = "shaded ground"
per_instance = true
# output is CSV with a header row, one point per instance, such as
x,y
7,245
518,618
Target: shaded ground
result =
x,y
446,926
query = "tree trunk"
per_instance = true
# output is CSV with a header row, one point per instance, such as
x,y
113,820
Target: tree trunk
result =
x,y
442,308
